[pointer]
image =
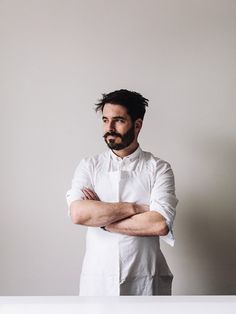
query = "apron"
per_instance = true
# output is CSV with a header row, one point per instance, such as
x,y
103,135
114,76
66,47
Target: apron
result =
x,y
117,264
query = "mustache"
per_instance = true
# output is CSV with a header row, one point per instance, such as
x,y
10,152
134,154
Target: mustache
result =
x,y
112,134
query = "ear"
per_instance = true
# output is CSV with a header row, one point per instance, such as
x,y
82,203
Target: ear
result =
x,y
138,124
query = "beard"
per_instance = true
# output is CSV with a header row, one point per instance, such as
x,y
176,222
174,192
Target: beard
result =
x,y
126,139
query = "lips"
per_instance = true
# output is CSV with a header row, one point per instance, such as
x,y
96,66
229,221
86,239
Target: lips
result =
x,y
112,136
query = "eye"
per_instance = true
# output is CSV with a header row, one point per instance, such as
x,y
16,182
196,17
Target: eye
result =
x,y
120,120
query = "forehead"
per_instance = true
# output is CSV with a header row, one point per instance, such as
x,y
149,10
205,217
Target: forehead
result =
x,y
113,110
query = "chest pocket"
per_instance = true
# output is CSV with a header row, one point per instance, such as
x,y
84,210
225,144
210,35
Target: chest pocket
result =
x,y
123,186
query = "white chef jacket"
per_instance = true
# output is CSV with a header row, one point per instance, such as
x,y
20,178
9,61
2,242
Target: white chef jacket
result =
x,y
117,264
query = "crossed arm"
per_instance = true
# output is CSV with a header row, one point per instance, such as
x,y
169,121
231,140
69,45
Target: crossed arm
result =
x,y
121,217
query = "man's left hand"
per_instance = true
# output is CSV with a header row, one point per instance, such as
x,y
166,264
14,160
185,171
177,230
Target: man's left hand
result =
x,y
89,194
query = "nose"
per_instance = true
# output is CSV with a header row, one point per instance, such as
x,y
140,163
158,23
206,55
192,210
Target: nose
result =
x,y
111,126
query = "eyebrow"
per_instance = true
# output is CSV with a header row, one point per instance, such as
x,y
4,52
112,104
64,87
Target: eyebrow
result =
x,y
116,117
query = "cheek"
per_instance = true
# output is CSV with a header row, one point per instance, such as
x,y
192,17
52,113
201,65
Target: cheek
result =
x,y
123,128
105,128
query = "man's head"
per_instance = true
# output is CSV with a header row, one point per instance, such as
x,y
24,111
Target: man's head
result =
x,y
123,112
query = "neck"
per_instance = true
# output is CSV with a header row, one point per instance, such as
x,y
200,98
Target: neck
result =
x,y
127,151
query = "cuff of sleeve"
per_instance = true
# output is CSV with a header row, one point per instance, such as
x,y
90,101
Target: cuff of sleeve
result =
x,y
169,238
70,197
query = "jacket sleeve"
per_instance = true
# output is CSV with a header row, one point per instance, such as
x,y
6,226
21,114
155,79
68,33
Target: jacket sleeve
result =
x,y
81,179
163,198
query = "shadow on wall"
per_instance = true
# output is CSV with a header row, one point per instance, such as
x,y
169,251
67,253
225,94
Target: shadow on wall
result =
x,y
210,220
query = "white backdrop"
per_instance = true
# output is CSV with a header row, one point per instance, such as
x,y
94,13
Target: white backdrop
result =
x,y
56,58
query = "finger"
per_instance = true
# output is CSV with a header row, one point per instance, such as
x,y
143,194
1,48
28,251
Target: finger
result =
x,y
87,194
91,193
95,196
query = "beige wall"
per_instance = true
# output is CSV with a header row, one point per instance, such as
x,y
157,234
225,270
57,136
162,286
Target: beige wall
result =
x,y
56,58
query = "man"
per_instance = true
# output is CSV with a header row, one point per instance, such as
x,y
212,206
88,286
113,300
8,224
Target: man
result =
x,y
126,197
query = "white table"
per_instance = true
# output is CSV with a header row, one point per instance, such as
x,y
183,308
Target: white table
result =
x,y
118,305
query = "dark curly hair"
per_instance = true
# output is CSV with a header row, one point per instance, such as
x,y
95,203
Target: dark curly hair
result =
x,y
134,102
